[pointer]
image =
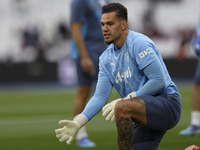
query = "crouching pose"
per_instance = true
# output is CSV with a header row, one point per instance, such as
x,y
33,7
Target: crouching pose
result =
x,y
150,103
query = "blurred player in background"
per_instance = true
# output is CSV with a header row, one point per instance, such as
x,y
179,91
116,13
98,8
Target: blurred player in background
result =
x,y
150,103
194,128
86,46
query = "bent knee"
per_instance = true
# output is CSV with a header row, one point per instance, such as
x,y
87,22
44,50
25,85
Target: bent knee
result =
x,y
121,110
134,109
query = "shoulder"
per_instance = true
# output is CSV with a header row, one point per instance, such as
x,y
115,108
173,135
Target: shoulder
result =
x,y
138,38
78,9
139,43
76,3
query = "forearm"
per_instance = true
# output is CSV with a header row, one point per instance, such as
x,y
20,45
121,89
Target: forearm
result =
x,y
79,40
94,106
98,100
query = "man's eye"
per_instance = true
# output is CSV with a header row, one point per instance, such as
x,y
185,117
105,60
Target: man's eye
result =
x,y
110,24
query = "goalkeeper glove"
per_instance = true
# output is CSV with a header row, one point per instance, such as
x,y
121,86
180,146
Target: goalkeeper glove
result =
x,y
130,95
70,129
109,109
192,147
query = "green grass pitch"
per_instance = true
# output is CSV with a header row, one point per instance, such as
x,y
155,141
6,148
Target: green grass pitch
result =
x,y
29,116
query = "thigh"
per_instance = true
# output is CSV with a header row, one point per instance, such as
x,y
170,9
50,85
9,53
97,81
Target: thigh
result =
x,y
163,111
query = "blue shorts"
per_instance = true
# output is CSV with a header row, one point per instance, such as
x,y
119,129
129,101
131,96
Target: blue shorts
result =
x,y
197,74
163,113
85,79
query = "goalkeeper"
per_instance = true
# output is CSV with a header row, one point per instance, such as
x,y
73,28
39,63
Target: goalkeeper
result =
x,y
150,103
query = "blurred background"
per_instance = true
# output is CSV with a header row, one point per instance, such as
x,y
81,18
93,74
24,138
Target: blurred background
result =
x,y
35,36
38,77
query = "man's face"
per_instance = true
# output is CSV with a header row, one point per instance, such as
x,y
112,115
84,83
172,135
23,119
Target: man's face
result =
x,y
111,27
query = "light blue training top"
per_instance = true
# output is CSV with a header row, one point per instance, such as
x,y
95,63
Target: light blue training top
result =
x,y
137,66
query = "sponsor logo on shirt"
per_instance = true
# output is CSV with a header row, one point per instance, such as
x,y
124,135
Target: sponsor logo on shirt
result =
x,y
145,52
125,75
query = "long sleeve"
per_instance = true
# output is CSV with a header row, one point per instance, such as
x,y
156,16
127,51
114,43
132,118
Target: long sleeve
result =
x,y
157,79
101,95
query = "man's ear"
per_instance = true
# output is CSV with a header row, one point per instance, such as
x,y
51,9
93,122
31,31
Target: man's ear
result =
x,y
123,25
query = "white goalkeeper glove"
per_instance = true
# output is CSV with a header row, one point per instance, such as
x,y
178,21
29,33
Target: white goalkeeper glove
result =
x,y
130,95
70,129
109,109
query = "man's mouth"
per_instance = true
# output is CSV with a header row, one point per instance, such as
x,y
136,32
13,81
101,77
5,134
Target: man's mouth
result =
x,y
106,36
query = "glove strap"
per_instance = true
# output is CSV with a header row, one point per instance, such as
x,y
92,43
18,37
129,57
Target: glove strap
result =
x,y
131,95
81,119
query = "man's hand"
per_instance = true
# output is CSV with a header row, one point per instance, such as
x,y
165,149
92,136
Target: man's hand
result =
x,y
88,65
109,109
70,129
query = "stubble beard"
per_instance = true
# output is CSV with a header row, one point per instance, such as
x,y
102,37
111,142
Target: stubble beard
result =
x,y
109,42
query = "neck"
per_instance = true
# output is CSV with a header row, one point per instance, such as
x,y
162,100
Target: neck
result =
x,y
120,42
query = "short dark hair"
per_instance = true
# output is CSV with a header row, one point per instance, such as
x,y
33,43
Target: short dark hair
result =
x,y
121,11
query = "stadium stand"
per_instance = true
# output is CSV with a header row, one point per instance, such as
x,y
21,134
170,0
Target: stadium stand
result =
x,y
175,28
